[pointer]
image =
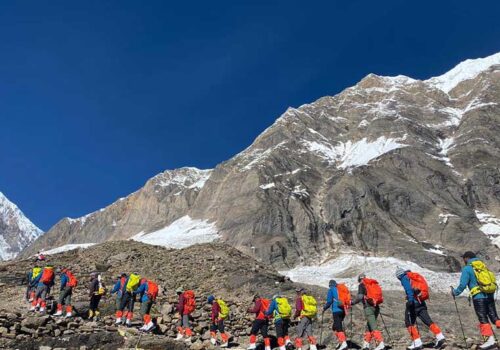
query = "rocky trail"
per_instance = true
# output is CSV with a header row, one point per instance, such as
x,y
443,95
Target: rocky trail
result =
x,y
208,268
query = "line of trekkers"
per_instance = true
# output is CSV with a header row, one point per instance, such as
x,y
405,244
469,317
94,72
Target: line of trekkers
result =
x,y
480,281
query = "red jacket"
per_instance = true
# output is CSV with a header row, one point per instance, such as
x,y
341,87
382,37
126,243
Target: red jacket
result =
x,y
299,306
258,310
215,312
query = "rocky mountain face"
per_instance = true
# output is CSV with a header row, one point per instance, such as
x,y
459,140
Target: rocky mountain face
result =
x,y
213,268
16,230
392,166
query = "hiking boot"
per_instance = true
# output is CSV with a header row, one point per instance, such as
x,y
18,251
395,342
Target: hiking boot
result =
x,y
224,345
188,340
58,313
440,343
490,343
118,321
179,336
42,310
365,346
149,326
69,314
213,341
416,345
252,346
313,347
32,309
380,346
342,346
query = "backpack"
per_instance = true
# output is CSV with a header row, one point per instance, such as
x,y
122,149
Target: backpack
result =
x,y
374,295
152,290
344,296
284,308
310,306
36,271
224,309
265,305
419,285
189,302
72,281
133,282
486,279
47,276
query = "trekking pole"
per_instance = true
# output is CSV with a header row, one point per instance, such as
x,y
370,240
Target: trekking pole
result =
x,y
459,318
137,345
352,333
321,328
385,327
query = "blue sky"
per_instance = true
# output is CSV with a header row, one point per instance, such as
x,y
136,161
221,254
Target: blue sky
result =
x,y
98,96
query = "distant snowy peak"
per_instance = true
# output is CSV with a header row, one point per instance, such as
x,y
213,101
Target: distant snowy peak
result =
x,y
187,177
16,230
465,70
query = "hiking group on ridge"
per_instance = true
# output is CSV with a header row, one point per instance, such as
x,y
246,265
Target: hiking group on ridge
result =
x,y
475,276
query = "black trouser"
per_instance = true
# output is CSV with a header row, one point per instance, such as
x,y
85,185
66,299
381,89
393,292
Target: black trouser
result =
x,y
128,300
94,302
338,320
260,325
485,309
414,310
217,326
282,326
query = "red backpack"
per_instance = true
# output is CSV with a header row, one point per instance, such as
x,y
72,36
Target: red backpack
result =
x,y
152,290
47,276
374,295
344,295
72,281
265,305
189,302
419,285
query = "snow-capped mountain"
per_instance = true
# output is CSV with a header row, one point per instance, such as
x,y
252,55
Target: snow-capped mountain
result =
x,y
16,230
392,166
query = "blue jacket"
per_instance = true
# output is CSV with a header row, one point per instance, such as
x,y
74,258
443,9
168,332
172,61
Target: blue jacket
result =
x,y
273,311
468,280
117,288
332,299
143,291
64,280
406,283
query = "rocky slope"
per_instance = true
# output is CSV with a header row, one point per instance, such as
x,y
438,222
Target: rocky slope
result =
x,y
16,230
391,166
207,268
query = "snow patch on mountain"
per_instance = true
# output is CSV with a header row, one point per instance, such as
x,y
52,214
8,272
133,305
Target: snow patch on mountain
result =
x,y
182,233
189,177
347,267
16,222
465,70
353,154
67,247
490,226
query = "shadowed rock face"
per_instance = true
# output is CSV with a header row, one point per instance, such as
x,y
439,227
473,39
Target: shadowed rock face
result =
x,y
392,166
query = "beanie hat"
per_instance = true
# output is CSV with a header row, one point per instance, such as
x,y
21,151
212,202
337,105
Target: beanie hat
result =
x,y
179,290
361,276
469,255
332,283
400,272
210,299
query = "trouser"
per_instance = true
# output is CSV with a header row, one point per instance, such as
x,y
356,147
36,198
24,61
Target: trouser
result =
x,y
261,326
338,326
118,302
218,325
183,326
41,296
145,310
127,301
94,303
414,310
65,299
371,315
282,325
304,328
486,312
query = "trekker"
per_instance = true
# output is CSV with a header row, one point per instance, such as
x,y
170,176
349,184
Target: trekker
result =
x,y
128,300
261,322
305,312
370,294
118,288
40,257
220,312
148,291
44,281
281,311
339,302
484,303
185,306
417,292
68,282
31,287
96,291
